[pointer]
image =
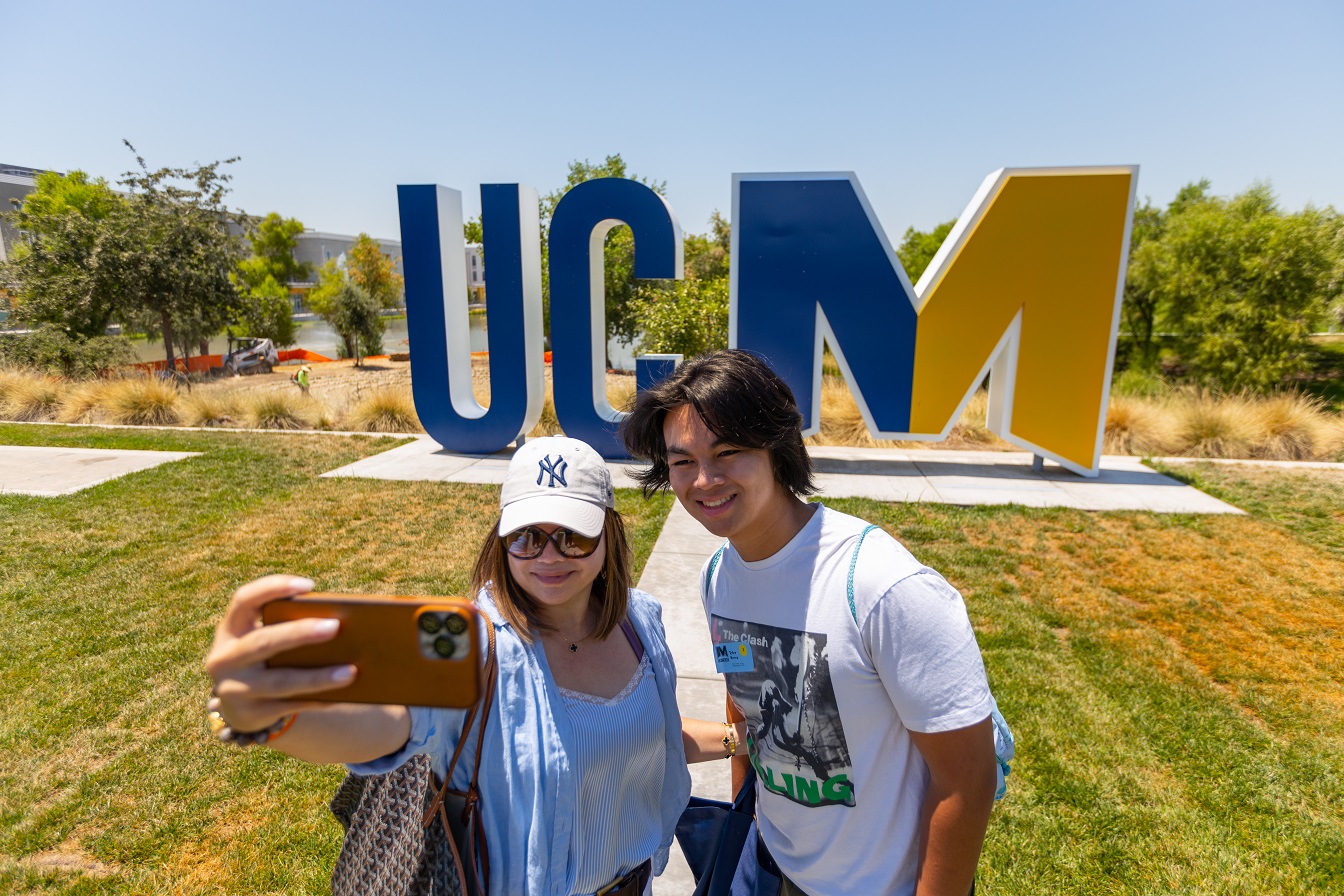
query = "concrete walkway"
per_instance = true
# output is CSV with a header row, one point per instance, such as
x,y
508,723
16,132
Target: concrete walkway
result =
x,y
53,472
930,475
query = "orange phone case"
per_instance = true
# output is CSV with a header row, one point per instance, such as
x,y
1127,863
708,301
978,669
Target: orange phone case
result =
x,y
410,651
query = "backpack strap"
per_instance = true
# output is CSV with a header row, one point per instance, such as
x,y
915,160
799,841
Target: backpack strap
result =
x,y
713,565
853,562
1004,745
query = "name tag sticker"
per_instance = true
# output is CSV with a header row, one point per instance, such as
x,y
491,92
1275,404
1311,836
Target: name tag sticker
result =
x,y
733,657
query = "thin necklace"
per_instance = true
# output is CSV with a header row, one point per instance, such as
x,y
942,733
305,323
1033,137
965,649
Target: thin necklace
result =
x,y
574,644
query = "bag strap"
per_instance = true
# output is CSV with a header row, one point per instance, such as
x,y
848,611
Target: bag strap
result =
x,y
1004,744
713,565
853,562
635,644
477,859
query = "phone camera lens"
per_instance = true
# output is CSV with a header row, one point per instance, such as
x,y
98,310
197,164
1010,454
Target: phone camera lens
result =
x,y
444,647
430,624
456,624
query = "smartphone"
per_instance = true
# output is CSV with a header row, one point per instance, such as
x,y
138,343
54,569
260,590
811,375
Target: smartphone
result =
x,y
410,651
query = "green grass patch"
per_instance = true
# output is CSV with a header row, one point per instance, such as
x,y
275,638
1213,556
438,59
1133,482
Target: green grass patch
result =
x,y
1174,681
1308,503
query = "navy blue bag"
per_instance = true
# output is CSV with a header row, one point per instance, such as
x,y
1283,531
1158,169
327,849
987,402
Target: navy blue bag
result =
x,y
723,849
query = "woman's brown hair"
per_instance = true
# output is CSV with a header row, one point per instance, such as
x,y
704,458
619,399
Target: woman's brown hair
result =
x,y
611,588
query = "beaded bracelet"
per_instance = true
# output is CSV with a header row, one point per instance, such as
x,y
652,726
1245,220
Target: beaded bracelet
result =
x,y
225,733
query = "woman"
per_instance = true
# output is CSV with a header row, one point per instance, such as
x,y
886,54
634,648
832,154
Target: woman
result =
x,y
583,772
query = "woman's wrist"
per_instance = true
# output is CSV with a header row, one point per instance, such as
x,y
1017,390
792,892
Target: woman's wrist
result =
x,y
226,733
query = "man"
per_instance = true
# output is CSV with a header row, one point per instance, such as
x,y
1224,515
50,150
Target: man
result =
x,y
867,710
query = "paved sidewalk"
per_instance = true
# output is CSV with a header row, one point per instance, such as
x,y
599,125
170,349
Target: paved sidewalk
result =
x,y
936,476
53,472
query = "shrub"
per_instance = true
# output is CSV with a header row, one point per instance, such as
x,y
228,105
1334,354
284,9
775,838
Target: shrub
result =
x,y
1135,383
52,350
275,410
388,409
143,401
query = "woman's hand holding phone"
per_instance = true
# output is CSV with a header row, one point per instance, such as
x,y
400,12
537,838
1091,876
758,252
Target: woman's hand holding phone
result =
x,y
251,694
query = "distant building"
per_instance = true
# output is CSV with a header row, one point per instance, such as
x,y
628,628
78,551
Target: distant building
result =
x,y
317,248
16,182
475,275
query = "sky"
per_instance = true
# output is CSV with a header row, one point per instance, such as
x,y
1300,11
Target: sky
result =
x,y
330,105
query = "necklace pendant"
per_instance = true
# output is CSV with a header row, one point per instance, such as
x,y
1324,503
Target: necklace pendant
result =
x,y
573,648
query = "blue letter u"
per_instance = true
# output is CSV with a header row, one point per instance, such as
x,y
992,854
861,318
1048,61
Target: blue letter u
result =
x,y
437,321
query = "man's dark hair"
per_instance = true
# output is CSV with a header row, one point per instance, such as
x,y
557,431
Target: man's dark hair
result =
x,y
742,401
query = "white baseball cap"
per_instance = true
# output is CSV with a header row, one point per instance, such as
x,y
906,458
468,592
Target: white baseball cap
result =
x,y
556,480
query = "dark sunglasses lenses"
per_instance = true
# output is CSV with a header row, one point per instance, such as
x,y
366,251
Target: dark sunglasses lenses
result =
x,y
526,544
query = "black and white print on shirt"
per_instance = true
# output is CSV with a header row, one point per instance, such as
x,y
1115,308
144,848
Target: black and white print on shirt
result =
x,y
794,731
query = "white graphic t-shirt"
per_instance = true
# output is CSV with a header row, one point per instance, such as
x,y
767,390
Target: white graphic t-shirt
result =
x,y
830,701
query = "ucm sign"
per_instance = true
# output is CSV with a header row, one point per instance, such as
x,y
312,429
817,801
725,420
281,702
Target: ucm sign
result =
x,y
1026,288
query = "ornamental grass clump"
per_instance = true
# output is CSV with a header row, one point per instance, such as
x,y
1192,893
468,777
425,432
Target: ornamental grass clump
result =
x,y
1290,427
141,402
1137,426
30,397
549,423
388,409
841,421
206,407
1209,425
275,410
85,403
1331,445
971,428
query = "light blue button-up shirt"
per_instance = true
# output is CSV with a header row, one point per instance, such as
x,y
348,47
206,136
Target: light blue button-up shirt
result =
x,y
529,789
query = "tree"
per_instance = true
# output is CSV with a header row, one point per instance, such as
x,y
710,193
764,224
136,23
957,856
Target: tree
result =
x,y
170,247
473,232
618,256
263,278
58,274
688,316
353,314
1239,282
706,255
917,248
374,272
266,311
274,240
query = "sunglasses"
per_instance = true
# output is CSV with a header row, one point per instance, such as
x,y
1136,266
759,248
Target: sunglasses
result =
x,y
529,542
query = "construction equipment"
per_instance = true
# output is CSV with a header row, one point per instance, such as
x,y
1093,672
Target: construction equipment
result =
x,y
253,355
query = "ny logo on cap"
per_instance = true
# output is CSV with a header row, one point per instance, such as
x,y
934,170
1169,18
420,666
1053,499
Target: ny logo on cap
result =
x,y
555,468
